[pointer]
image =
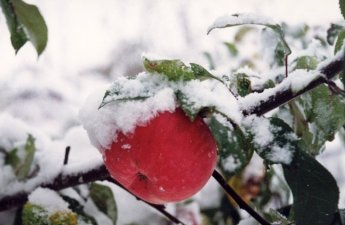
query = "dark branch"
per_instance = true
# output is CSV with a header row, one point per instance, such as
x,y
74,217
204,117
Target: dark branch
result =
x,y
67,150
328,71
160,208
60,182
242,204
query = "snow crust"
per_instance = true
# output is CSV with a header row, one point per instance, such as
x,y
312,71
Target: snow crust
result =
x,y
237,19
48,199
48,157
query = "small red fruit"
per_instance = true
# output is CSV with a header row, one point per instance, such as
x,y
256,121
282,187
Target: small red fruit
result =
x,y
167,160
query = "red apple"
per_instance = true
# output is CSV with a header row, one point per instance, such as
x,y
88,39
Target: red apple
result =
x,y
167,160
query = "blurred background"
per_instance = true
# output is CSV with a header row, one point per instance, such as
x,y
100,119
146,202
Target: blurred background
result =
x,y
91,43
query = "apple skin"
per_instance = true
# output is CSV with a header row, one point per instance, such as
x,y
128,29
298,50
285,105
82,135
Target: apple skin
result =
x,y
167,160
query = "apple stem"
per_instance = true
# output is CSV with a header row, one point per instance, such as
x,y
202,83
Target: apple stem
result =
x,y
242,204
67,150
159,208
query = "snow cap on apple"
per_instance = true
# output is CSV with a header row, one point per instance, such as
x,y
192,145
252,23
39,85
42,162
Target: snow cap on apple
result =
x,y
158,149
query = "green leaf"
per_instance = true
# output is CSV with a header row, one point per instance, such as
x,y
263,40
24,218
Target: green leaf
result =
x,y
231,48
200,72
210,60
34,25
12,158
243,84
342,7
34,215
324,112
342,216
333,32
63,218
277,218
340,41
279,54
241,19
25,23
104,199
76,207
314,190
174,70
235,150
189,107
305,62
18,36
280,147
22,166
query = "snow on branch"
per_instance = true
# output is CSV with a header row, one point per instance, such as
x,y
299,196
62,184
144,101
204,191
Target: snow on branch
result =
x,y
296,84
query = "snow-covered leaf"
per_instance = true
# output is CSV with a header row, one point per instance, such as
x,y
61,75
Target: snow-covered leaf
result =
x,y
131,89
104,199
25,23
235,150
252,19
189,107
273,139
36,215
313,188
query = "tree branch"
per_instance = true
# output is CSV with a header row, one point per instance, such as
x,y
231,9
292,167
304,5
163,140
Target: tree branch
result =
x,y
64,181
60,182
242,204
279,97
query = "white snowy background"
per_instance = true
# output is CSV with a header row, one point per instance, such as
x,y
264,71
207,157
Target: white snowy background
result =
x,y
92,42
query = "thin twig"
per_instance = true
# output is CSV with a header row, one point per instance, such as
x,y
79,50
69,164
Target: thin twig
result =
x,y
160,208
242,204
67,150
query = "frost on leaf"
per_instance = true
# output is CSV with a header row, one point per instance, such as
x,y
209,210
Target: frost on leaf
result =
x,y
234,148
272,138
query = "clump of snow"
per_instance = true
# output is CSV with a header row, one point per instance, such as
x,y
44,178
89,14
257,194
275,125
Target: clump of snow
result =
x,y
281,154
260,128
238,19
255,168
212,93
295,82
230,163
103,124
48,199
135,101
263,138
